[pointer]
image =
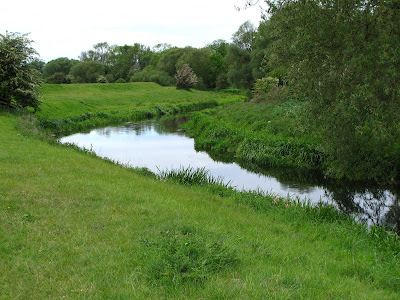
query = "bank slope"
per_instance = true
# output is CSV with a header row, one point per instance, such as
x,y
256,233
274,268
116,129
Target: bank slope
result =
x,y
75,226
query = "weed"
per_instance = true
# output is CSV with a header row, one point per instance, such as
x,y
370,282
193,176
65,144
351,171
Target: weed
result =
x,y
184,254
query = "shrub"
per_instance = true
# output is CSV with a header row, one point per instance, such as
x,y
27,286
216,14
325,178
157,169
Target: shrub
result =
x,y
185,78
120,80
160,77
102,79
69,79
264,85
222,82
56,78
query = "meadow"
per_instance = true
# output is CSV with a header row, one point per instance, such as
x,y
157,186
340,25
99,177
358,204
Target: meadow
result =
x,y
76,226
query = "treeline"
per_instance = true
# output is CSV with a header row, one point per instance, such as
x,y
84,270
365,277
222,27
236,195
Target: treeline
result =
x,y
218,65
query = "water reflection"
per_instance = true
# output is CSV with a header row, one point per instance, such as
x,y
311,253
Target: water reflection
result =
x,y
161,145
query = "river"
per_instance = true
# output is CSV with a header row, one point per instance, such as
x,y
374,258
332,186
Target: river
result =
x,y
160,145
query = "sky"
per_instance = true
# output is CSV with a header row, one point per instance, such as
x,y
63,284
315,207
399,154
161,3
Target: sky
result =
x,y
66,28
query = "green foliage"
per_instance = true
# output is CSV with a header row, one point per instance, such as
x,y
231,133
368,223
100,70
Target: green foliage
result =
x,y
263,135
19,80
160,77
87,71
185,78
199,61
243,38
56,78
264,85
120,80
239,68
102,79
343,59
191,176
169,60
221,82
60,65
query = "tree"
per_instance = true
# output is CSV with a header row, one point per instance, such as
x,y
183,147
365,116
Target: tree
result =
x,y
19,79
244,36
343,61
87,71
239,68
199,62
239,57
185,78
59,65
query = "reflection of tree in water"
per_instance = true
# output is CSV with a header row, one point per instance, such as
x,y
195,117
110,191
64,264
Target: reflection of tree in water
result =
x,y
162,126
372,205
369,204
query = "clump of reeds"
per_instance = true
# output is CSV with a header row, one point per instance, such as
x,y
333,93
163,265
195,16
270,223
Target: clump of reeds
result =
x,y
192,176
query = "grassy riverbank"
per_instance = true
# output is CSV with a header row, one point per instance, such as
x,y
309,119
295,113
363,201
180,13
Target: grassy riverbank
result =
x,y
75,226
266,135
79,106
275,135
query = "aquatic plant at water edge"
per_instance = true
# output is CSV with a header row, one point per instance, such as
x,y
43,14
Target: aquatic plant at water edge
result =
x,y
191,176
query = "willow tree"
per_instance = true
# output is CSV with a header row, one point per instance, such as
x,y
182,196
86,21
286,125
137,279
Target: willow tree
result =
x,y
19,79
344,58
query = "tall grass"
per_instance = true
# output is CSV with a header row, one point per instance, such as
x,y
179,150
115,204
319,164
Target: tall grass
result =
x,y
264,149
192,176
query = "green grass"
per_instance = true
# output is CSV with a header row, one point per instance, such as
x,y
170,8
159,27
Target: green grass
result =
x,y
265,135
75,226
63,100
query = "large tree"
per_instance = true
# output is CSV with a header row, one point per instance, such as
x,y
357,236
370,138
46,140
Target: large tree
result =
x,y
19,79
344,62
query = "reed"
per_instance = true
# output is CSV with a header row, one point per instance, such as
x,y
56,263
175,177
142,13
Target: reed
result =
x,y
191,176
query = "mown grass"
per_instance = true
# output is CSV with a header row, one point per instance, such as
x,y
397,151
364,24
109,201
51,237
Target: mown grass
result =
x,y
75,226
63,100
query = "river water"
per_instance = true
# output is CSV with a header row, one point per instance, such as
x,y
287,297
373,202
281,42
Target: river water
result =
x,y
160,145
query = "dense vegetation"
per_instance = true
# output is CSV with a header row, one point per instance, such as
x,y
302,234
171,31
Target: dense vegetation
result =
x,y
19,80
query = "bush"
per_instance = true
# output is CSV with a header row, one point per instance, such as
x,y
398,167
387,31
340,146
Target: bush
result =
x,y
264,85
222,82
102,79
56,78
120,80
160,77
69,79
185,78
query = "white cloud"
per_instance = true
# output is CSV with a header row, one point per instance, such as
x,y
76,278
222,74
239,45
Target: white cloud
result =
x,y
69,27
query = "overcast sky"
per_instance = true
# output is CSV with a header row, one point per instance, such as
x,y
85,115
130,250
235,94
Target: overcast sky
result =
x,y
65,28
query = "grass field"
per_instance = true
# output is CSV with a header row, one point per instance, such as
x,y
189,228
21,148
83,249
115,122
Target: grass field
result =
x,y
69,100
77,227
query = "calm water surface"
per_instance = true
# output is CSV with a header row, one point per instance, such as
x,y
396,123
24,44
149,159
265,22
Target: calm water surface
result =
x,y
160,145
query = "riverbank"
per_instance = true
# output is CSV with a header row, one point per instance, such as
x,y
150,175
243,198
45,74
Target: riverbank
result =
x,y
265,135
274,135
76,226
81,106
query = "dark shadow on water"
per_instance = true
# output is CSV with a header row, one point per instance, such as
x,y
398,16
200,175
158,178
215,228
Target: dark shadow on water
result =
x,y
368,203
